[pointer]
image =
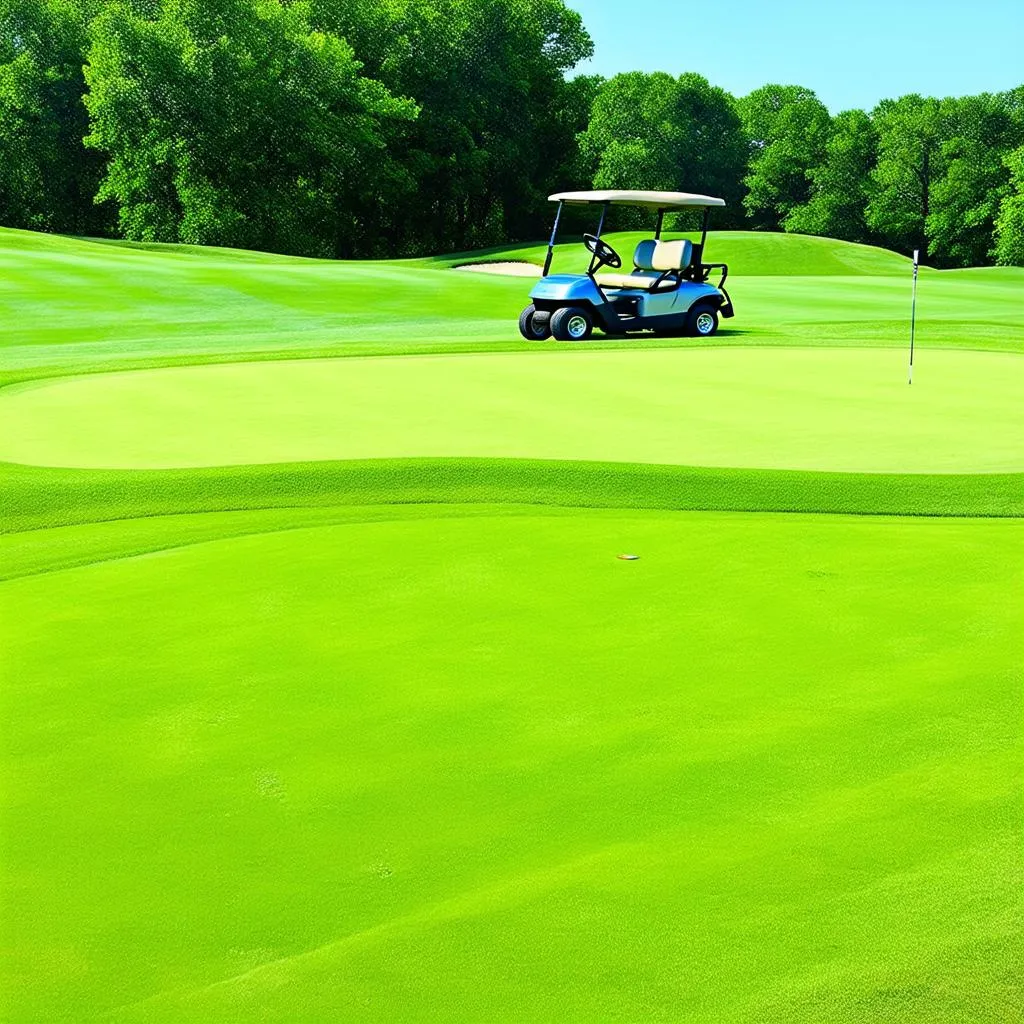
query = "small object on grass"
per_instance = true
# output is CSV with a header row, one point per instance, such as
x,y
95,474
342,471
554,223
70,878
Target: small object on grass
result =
x,y
629,558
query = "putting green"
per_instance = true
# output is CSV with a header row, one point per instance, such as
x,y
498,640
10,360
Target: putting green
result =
x,y
832,409
478,769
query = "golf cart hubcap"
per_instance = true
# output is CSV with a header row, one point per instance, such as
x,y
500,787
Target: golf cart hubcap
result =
x,y
705,323
577,326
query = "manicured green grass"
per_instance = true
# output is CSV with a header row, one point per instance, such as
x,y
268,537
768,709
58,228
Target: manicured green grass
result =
x,y
34,499
350,713
712,407
69,304
480,769
747,253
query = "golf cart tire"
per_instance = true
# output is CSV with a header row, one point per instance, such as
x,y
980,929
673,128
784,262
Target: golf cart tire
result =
x,y
535,324
572,323
702,321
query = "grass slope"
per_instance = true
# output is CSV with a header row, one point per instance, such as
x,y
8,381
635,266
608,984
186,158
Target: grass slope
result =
x,y
401,739
70,304
34,499
427,769
748,253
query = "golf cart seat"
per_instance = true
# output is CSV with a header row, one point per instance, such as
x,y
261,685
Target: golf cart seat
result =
x,y
655,261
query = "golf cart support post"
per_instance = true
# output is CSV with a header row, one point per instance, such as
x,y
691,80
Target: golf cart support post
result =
x,y
667,291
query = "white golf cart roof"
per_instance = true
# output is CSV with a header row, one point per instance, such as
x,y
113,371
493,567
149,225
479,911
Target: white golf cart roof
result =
x,y
628,197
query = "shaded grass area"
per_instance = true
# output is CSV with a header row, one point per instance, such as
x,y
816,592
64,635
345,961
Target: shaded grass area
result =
x,y
35,498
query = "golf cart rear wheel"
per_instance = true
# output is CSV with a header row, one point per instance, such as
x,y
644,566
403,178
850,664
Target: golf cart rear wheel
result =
x,y
702,321
535,324
571,323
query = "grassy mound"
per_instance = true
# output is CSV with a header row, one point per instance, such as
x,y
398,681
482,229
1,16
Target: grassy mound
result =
x,y
77,305
748,253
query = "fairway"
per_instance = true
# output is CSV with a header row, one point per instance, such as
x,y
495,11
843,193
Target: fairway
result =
x,y
327,698
72,304
436,767
712,407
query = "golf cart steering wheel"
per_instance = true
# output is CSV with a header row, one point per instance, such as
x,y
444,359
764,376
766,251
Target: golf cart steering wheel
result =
x,y
606,255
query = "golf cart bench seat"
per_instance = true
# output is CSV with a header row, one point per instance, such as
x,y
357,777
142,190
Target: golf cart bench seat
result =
x,y
652,259
644,281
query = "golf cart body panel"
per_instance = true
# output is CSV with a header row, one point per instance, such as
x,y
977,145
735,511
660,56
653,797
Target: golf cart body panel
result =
x,y
564,288
624,310
667,291
678,300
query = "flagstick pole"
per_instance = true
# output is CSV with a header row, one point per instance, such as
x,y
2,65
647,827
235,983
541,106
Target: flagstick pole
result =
x,y
913,319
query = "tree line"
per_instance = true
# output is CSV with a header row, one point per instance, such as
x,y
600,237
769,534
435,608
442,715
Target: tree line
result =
x,y
370,128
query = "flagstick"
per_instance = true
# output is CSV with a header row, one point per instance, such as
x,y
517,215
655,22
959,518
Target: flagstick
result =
x,y
913,318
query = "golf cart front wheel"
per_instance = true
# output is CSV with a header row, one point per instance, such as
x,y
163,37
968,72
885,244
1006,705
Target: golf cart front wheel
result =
x,y
535,324
572,323
702,322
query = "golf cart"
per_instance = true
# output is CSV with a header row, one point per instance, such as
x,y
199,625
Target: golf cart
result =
x,y
666,292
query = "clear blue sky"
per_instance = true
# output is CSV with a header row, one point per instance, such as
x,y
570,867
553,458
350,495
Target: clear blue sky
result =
x,y
852,53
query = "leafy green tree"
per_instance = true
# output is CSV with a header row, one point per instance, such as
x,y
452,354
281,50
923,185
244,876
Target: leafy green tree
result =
x,y
979,133
910,162
497,115
658,132
787,129
840,185
570,167
47,179
236,124
395,127
1009,226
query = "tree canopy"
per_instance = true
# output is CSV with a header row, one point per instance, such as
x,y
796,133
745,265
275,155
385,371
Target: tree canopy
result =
x,y
787,128
364,128
840,184
1009,230
659,132
47,180
235,124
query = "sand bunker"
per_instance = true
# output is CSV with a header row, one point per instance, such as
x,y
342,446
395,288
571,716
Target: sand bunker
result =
x,y
512,269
